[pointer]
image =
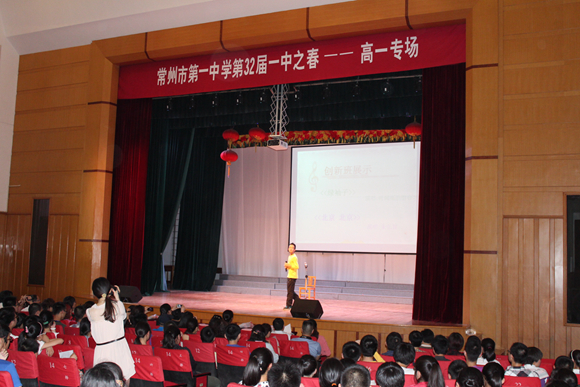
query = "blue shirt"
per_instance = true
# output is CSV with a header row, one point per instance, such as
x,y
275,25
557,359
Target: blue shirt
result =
x,y
313,346
9,367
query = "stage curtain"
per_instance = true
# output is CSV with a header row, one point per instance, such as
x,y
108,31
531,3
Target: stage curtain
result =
x,y
200,215
128,191
438,294
169,157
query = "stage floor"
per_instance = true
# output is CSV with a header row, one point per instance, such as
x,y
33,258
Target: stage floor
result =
x,y
334,310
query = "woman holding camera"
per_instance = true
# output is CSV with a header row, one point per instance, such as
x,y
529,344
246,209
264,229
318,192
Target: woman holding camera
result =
x,y
106,318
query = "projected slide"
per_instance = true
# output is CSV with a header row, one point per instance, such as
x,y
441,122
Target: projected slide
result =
x,y
355,198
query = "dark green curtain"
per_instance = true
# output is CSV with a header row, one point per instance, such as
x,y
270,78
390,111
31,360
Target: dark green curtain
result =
x,y
169,159
201,214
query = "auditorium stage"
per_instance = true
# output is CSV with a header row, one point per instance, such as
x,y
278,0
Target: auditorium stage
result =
x,y
266,305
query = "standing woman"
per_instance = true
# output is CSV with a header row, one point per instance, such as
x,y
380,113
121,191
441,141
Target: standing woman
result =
x,y
106,317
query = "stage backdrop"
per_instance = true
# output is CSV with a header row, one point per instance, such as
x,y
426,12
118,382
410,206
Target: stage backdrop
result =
x,y
255,228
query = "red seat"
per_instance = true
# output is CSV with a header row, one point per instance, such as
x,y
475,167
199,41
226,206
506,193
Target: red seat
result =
x,y
445,368
88,357
81,341
77,350
410,380
59,329
251,345
130,337
156,341
372,366
548,365
58,372
141,350
310,382
221,341
152,324
516,381
6,379
72,331
275,344
92,343
176,360
26,364
293,350
204,356
17,331
14,345
148,368
280,336
231,362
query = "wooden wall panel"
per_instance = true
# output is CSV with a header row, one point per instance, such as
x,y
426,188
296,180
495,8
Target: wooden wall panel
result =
x,y
61,254
482,34
47,161
46,182
52,98
482,114
545,47
428,13
53,58
59,203
125,50
541,139
542,78
550,108
533,203
183,42
356,18
541,17
48,140
545,172
15,254
63,117
69,74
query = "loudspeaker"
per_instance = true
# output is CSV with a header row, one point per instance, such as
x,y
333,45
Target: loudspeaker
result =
x,y
306,309
130,294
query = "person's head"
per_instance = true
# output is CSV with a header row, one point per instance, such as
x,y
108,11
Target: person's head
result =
x,y
27,339
488,347
46,319
493,375
4,337
346,362
47,304
292,248
70,301
9,301
4,294
427,370
207,335
84,327
534,356
164,309
563,362
278,324
142,331
308,365
575,356
428,336
470,377
260,361
34,309
233,333
518,353
369,345
267,329
351,350
103,375
404,354
416,338
393,339
390,374
565,375
185,317
59,311
307,328
472,348
455,368
176,315
355,376
79,312
217,324
171,336
20,318
330,372
228,316
455,342
284,374
102,290
257,335
191,326
440,345
8,317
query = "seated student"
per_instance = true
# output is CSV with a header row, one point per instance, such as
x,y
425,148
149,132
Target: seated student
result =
x,y
472,352
416,339
218,325
278,325
455,344
351,350
256,371
233,334
191,328
563,362
20,318
313,346
8,317
469,377
308,366
487,352
258,335
565,375
164,315
79,313
440,346
455,368
575,356
390,374
34,309
104,374
324,348
70,304
428,337
428,373
532,362
47,321
47,304
7,366
58,313
34,340
228,316
368,347
355,376
186,317
284,374
143,333
493,375
85,328
330,372
207,335
405,356
267,329
346,362
393,339
517,356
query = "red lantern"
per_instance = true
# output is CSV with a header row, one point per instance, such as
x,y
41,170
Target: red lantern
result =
x,y
414,129
258,134
230,135
229,156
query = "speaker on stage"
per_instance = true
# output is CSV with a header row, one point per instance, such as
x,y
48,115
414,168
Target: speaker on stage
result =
x,y
307,309
129,294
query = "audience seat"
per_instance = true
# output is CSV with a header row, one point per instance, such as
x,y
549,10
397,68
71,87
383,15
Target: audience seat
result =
x,y
26,366
516,381
130,337
371,366
221,341
71,331
176,367
293,350
81,341
310,382
152,324
548,365
58,372
6,379
148,371
231,362
280,336
141,350
251,345
88,357
275,344
204,356
77,350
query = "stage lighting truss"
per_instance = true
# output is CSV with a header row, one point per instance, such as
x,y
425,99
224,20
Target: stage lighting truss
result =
x,y
278,114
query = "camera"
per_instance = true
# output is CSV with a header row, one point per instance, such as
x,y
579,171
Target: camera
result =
x,y
179,306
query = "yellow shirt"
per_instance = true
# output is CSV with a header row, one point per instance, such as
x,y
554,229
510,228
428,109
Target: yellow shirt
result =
x,y
293,269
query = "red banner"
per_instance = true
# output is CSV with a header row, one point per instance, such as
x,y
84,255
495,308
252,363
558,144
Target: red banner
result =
x,y
304,62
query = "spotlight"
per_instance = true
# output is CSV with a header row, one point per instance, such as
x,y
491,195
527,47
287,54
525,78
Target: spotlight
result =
x,y
356,90
191,103
215,101
239,99
325,92
263,96
297,94
169,105
387,88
